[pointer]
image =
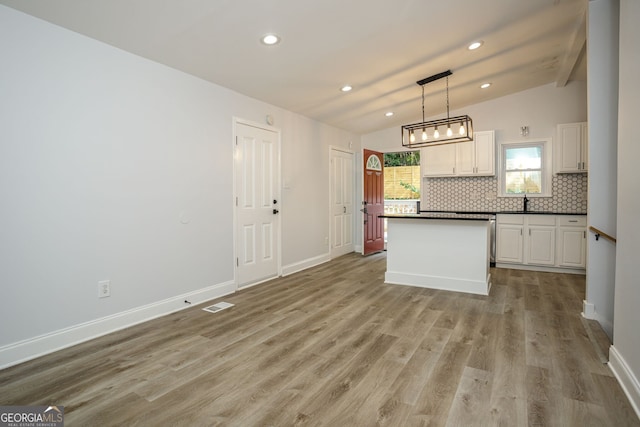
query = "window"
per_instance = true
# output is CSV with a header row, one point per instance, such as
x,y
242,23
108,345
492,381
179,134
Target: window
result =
x,y
525,168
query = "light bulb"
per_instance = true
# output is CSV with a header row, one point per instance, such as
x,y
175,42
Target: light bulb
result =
x,y
424,134
412,137
436,134
461,131
449,131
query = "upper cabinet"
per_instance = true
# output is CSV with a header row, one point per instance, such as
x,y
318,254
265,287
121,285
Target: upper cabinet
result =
x,y
572,148
471,158
481,160
438,160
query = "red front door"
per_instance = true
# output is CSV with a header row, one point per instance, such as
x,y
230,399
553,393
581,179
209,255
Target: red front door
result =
x,y
373,203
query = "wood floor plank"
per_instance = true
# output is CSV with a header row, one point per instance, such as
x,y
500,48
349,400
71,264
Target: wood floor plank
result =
x,y
471,401
339,388
537,342
484,344
438,392
335,345
410,381
508,396
541,409
617,407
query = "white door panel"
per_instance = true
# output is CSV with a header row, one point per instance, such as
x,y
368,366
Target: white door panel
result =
x,y
257,189
341,203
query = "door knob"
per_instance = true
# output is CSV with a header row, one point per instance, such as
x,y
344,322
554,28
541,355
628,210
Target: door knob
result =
x,y
275,201
275,211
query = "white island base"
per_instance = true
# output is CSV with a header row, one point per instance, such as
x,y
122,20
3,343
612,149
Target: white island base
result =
x,y
444,254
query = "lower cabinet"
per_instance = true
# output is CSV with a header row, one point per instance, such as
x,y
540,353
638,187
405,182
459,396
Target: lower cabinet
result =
x,y
509,238
541,240
572,242
526,239
541,244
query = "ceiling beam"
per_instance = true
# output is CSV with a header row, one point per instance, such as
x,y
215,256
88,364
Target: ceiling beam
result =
x,y
579,40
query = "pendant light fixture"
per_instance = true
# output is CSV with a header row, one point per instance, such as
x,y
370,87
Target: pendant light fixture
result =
x,y
430,135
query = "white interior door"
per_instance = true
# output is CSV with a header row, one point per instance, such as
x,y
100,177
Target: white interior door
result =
x,y
257,200
341,203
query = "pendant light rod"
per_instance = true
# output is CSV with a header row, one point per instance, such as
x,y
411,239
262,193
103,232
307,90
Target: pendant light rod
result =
x,y
423,103
447,98
434,77
430,135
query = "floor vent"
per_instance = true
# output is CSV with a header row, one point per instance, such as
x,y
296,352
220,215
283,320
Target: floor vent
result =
x,y
218,307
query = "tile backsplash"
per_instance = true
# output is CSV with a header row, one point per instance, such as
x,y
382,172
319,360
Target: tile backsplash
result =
x,y
569,194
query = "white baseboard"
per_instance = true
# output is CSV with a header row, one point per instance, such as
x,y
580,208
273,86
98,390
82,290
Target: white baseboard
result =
x,y
358,248
589,312
479,287
581,271
588,309
28,349
307,263
627,380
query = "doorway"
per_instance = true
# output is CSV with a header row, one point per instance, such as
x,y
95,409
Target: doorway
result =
x,y
402,182
257,233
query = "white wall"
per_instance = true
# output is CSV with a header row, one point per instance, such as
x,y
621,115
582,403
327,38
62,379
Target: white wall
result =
x,y
101,152
602,50
626,345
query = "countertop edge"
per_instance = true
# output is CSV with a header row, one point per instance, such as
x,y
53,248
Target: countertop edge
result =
x,y
506,212
452,216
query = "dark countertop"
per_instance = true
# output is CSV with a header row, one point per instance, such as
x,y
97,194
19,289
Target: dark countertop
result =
x,y
504,212
442,215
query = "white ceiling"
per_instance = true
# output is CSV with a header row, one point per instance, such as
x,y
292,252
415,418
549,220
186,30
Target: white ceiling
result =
x,y
380,47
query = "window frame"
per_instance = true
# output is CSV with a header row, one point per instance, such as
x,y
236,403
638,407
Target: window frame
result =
x,y
546,166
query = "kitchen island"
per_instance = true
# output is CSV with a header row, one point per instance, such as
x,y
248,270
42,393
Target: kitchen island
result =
x,y
439,250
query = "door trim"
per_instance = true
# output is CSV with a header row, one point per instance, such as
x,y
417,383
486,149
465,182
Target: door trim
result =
x,y
235,122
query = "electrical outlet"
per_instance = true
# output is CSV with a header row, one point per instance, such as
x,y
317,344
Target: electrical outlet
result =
x,y
104,288
326,240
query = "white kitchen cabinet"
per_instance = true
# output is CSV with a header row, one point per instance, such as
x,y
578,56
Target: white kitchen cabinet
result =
x,y
470,158
509,243
533,240
465,158
526,239
572,148
572,242
438,160
540,238
477,157
509,238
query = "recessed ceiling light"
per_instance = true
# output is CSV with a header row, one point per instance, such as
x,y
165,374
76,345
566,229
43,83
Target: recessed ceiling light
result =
x,y
475,45
346,88
485,85
270,39
389,113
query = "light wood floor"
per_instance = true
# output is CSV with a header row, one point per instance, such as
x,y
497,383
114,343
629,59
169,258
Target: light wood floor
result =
x,y
335,346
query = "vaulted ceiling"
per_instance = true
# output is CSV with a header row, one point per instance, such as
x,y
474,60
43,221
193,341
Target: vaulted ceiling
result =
x,y
379,47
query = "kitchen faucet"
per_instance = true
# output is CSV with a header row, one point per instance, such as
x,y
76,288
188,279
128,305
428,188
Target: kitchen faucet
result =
x,y
526,203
